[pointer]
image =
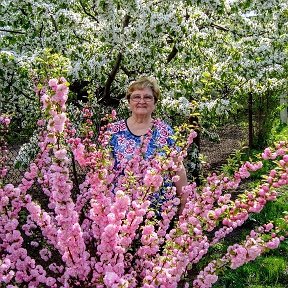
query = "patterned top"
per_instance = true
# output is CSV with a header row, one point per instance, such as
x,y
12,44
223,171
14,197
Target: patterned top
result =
x,y
124,142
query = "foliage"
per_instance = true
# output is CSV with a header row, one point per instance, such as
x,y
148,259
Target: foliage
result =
x,y
205,51
279,132
4,124
107,233
234,161
27,153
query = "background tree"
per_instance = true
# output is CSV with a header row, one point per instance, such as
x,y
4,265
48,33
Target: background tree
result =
x,y
204,51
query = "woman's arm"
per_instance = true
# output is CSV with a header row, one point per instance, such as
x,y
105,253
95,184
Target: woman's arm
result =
x,y
179,185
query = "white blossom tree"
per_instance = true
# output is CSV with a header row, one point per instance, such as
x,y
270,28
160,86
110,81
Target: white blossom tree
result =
x,y
201,50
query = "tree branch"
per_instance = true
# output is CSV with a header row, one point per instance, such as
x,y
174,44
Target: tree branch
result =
x,y
23,11
20,91
88,13
25,95
217,26
54,23
40,34
126,21
172,54
127,72
79,38
12,31
220,27
202,52
111,77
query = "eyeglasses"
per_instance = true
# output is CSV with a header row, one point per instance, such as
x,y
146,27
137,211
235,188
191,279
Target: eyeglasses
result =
x,y
145,98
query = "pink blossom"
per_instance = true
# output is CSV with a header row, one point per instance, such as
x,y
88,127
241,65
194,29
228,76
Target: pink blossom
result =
x,y
148,229
5,120
150,214
175,178
113,114
53,84
45,99
59,122
110,278
273,243
191,137
45,254
60,95
254,251
50,281
268,226
34,243
285,158
61,154
152,178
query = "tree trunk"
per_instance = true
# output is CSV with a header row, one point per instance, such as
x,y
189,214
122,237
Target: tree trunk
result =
x,y
193,164
283,112
250,119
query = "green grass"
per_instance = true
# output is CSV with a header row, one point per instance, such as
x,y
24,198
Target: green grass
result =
x,y
261,286
279,133
265,271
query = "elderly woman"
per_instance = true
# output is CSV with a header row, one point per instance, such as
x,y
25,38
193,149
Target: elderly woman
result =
x,y
142,96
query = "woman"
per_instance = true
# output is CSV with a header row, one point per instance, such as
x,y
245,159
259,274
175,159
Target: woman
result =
x,y
142,96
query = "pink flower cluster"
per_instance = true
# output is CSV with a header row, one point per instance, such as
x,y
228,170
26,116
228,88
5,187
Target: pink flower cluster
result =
x,y
259,241
54,103
4,121
109,233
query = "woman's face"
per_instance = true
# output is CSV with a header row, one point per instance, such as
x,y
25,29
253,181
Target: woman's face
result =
x,y
142,102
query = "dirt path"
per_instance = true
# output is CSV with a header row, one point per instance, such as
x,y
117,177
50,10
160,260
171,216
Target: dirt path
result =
x,y
232,138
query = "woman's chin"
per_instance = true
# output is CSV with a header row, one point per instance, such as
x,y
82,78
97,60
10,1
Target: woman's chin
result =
x,y
142,111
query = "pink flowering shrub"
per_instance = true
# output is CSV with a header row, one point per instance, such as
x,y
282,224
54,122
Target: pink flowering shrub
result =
x,y
108,234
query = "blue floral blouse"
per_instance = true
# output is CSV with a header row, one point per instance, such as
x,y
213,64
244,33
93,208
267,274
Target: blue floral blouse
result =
x,y
124,143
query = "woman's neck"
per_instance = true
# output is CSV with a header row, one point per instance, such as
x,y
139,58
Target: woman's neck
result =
x,y
139,125
140,119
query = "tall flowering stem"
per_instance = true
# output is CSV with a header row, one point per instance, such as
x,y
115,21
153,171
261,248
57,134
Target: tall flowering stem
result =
x,y
70,242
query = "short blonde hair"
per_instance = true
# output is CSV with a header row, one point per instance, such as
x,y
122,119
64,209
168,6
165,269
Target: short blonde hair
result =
x,y
144,82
